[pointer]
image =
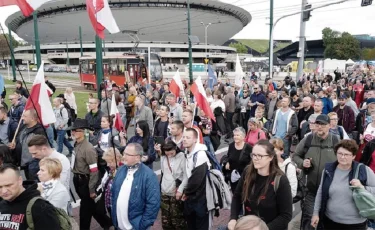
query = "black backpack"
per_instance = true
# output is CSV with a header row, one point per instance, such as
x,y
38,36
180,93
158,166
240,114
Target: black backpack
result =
x,y
301,187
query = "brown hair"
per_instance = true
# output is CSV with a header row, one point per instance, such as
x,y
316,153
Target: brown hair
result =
x,y
349,145
38,140
251,173
53,166
277,143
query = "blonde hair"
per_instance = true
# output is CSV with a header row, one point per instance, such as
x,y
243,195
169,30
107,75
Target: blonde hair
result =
x,y
68,90
331,114
53,166
277,143
250,222
109,155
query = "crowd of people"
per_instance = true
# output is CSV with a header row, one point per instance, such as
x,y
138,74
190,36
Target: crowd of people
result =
x,y
308,143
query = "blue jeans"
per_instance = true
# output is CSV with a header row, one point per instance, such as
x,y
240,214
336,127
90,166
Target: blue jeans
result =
x,y
207,142
61,141
287,144
49,131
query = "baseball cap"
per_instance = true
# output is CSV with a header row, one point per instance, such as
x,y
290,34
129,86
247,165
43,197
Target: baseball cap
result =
x,y
323,119
342,96
370,100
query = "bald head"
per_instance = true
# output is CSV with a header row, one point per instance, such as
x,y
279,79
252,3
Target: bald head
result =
x,y
306,102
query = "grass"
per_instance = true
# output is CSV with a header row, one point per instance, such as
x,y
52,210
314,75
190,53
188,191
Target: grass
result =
x,y
261,45
81,97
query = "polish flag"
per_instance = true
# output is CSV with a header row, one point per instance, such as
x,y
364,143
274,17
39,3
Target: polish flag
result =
x,y
176,85
201,97
101,17
117,122
93,167
27,7
39,99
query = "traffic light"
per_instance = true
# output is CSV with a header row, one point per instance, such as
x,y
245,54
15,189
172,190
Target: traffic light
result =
x,y
307,14
366,2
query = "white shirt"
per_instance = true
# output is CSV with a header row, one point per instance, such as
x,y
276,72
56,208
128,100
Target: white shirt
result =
x,y
123,201
71,100
217,103
104,141
65,173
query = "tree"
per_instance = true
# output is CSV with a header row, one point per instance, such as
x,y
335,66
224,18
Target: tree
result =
x,y
341,46
241,48
4,48
368,54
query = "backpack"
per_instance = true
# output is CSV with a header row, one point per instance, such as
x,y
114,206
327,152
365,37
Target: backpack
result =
x,y
69,111
215,164
63,217
301,187
308,144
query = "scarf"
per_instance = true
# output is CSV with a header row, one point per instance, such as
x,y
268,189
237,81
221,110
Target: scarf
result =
x,y
106,131
48,188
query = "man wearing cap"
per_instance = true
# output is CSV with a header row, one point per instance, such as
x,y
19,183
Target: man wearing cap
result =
x,y
86,176
311,155
345,114
327,103
135,192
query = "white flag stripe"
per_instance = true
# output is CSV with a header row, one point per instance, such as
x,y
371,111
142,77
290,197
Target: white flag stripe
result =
x,y
105,17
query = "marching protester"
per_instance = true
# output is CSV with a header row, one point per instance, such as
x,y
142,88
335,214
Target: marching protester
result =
x,y
143,113
61,124
51,188
135,192
172,168
86,177
238,157
4,126
144,138
334,206
94,116
17,195
14,114
263,190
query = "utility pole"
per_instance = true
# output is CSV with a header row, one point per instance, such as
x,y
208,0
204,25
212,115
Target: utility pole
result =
x,y
270,49
80,40
190,45
12,55
37,42
67,54
302,40
99,64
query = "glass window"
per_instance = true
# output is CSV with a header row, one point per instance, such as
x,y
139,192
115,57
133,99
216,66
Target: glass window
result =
x,y
84,66
113,67
121,67
92,66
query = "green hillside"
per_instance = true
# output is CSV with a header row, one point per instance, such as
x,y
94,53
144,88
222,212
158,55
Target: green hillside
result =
x,y
261,45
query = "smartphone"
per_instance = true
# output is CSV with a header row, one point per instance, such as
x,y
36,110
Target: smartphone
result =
x,y
159,140
171,114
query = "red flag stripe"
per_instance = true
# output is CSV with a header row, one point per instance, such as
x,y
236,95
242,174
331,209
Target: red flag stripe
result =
x,y
202,102
174,88
99,28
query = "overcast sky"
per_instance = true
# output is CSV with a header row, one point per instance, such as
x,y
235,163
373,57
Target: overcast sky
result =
x,y
348,16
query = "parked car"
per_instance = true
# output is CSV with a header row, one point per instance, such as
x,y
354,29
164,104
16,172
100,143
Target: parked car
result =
x,y
74,70
22,68
34,69
55,69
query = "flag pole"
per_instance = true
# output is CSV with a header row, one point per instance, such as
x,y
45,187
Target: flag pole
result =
x,y
37,42
12,54
18,128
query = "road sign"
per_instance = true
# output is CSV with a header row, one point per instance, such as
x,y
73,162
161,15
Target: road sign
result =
x,y
206,60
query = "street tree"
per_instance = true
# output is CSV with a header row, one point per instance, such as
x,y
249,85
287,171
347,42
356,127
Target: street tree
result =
x,y
241,48
4,48
368,54
341,46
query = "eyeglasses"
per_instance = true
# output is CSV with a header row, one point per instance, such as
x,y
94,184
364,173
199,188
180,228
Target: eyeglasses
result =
x,y
255,88
257,156
344,155
131,155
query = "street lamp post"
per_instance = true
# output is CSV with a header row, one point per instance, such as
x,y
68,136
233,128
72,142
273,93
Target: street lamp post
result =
x,y
190,44
288,15
206,36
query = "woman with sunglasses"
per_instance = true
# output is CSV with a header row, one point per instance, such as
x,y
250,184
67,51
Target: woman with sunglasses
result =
x,y
334,205
263,190
255,132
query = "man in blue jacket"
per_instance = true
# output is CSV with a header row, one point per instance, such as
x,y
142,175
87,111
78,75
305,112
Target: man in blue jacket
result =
x,y
327,103
135,192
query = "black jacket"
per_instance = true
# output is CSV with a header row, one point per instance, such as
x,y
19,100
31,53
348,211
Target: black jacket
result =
x,y
367,152
23,92
43,213
94,120
51,86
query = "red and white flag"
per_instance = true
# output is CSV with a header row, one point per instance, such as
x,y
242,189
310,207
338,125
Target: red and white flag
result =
x,y
27,7
117,122
176,85
39,99
101,17
201,97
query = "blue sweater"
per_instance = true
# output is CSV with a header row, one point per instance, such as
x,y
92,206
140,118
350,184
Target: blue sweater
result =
x,y
144,201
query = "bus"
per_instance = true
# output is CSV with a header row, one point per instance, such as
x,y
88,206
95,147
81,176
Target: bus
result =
x,y
121,69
